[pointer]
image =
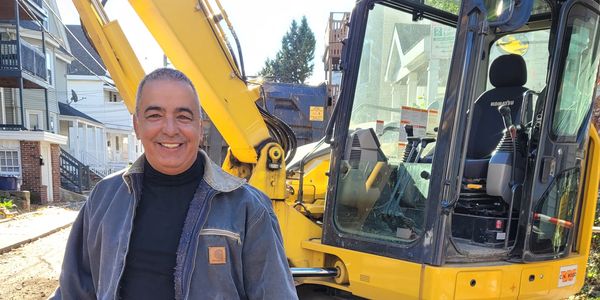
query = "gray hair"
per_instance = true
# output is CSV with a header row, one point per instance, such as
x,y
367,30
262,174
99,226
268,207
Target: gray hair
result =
x,y
164,74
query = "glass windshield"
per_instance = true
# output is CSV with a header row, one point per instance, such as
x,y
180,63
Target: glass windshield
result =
x,y
581,67
495,7
384,175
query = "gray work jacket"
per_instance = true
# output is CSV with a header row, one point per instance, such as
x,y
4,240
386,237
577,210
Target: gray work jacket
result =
x,y
230,247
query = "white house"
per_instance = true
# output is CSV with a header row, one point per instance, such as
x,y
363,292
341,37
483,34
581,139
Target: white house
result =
x,y
33,63
109,141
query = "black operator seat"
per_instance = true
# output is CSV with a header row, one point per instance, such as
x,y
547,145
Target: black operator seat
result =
x,y
508,75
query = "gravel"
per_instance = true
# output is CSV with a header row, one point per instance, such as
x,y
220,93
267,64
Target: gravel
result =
x,y
31,271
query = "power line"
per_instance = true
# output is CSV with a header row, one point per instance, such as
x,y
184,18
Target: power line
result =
x,y
27,11
70,32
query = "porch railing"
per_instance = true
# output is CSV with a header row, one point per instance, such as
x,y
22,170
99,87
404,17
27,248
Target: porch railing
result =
x,y
11,127
94,163
8,55
74,175
34,61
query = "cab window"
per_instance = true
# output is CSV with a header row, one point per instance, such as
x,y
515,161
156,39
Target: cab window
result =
x,y
383,181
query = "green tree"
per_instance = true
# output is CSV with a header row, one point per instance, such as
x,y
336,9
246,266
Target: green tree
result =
x,y
293,62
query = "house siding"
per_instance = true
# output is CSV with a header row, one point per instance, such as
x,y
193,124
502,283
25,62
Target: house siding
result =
x,y
62,94
33,99
9,106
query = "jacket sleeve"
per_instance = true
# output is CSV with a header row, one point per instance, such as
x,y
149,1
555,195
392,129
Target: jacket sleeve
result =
x,y
266,271
75,280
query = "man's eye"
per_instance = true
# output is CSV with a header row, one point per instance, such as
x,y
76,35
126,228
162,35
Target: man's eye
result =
x,y
153,116
184,118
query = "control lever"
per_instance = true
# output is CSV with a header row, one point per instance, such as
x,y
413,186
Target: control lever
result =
x,y
505,112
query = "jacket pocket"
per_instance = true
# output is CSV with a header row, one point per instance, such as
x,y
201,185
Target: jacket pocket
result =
x,y
221,232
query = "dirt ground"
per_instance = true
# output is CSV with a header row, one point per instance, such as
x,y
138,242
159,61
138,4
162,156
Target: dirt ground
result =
x,y
31,271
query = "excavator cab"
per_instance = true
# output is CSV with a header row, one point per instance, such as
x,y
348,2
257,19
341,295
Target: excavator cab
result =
x,y
489,165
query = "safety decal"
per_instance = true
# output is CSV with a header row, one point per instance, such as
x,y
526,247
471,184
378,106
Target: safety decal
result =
x,y
567,275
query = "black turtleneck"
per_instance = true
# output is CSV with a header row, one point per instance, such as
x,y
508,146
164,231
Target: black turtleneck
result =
x,y
157,227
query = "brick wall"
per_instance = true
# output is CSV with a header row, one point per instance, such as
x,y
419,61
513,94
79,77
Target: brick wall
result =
x,y
32,172
55,153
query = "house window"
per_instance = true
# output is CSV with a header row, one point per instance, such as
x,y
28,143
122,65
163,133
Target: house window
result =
x,y
116,143
52,126
112,97
35,121
9,162
49,67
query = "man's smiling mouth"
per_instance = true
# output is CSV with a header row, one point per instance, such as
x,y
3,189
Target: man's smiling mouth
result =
x,y
170,145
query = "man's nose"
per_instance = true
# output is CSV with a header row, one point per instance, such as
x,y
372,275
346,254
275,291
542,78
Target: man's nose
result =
x,y
170,126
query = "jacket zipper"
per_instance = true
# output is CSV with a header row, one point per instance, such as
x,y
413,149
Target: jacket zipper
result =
x,y
195,249
135,201
222,232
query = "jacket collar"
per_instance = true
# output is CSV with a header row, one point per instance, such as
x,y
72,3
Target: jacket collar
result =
x,y
213,174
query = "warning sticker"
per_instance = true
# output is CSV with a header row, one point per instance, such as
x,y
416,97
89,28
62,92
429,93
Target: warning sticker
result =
x,y
567,275
316,113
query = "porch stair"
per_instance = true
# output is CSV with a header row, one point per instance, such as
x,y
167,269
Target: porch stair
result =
x,y
75,176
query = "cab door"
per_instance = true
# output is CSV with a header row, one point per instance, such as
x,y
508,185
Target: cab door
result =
x,y
396,67
560,136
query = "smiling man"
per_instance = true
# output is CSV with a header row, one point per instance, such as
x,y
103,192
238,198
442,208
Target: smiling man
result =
x,y
174,225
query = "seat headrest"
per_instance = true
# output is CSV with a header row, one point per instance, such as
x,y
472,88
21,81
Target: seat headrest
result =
x,y
508,70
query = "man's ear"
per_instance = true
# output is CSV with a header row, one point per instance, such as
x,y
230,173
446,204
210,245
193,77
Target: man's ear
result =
x,y
201,133
135,126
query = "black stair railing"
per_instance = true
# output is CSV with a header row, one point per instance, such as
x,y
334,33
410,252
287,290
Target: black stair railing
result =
x,y
75,175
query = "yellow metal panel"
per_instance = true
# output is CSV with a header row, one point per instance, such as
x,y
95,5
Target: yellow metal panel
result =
x,y
188,38
590,193
373,276
477,285
315,180
296,229
536,282
512,279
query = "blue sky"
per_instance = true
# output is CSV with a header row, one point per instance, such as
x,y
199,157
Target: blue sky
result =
x,y
259,24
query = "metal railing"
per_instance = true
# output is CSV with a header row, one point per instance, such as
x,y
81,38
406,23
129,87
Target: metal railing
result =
x,y
8,55
33,60
74,175
115,166
11,127
94,163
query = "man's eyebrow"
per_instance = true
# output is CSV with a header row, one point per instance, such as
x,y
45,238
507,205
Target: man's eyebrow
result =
x,y
184,109
153,107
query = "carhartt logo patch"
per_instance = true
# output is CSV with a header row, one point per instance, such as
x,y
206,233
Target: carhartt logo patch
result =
x,y
217,255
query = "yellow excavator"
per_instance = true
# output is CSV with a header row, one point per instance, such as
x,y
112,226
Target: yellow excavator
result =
x,y
459,161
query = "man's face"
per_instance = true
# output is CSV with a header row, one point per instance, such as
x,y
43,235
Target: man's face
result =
x,y
168,123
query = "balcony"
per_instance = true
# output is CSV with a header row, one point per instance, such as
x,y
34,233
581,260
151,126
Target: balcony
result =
x,y
7,10
33,65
